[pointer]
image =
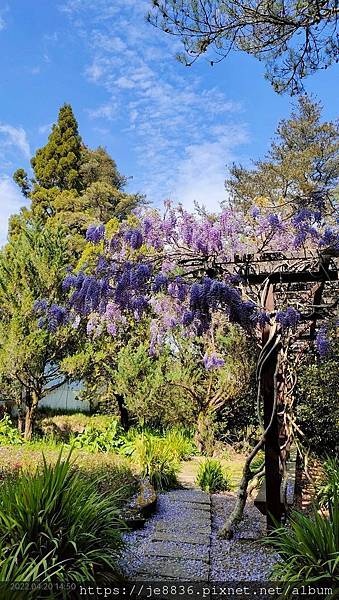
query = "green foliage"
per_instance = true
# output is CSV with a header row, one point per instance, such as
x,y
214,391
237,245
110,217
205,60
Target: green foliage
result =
x,y
60,525
308,548
94,440
98,166
62,426
32,267
211,477
318,406
21,179
73,186
155,461
329,489
9,435
145,383
57,164
301,165
180,442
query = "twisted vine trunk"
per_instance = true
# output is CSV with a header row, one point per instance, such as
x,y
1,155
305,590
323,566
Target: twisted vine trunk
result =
x,y
268,366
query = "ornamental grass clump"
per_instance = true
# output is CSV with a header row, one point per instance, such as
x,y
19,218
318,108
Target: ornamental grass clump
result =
x,y
180,442
156,461
56,526
329,489
308,548
211,477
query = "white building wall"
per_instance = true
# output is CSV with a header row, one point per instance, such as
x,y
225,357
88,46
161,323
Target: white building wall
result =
x,y
65,398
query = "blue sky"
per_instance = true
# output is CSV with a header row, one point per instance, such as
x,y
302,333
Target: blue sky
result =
x,y
173,129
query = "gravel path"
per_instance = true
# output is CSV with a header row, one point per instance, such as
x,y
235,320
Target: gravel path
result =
x,y
244,558
180,542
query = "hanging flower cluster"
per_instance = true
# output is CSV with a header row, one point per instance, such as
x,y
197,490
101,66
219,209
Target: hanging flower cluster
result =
x,y
171,267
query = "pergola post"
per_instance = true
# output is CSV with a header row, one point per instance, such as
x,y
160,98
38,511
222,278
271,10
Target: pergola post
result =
x,y
272,446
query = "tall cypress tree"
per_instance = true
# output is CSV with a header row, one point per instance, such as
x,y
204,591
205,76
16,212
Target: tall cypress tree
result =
x,y
73,186
58,163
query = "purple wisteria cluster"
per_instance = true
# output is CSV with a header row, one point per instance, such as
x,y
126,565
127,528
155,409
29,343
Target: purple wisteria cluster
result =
x,y
156,265
322,342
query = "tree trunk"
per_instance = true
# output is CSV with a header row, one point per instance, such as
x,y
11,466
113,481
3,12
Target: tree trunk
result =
x,y
269,359
204,437
124,417
32,401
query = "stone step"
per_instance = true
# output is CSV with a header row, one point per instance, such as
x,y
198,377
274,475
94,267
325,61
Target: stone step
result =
x,y
164,549
191,496
182,537
158,568
185,527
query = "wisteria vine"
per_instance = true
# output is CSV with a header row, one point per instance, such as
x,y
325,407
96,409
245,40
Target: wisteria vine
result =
x,y
174,268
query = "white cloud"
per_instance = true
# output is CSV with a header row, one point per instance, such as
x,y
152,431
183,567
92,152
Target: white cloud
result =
x,y
201,174
3,11
105,111
43,129
182,132
14,137
10,202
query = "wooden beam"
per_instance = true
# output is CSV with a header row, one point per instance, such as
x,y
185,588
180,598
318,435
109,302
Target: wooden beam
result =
x,y
290,277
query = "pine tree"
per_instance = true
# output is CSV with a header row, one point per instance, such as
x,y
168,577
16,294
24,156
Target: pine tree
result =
x,y
300,169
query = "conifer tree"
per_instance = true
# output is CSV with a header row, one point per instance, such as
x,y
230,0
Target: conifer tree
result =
x,y
301,168
57,164
73,186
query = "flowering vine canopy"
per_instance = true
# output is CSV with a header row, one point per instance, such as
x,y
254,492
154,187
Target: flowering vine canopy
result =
x,y
179,269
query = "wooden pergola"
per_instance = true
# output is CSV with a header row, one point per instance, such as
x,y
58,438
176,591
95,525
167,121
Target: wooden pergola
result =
x,y
308,282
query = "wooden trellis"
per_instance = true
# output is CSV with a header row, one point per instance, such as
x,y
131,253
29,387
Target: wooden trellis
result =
x,y
305,282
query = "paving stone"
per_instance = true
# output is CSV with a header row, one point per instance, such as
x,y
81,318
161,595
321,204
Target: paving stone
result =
x,y
192,509
184,527
191,496
178,536
163,549
174,569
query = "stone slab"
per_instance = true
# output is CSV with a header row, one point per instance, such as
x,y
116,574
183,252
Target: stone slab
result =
x,y
193,512
185,527
183,537
191,496
173,569
162,549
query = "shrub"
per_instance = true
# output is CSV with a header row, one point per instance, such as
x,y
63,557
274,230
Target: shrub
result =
x,y
155,461
329,490
211,477
62,426
180,442
94,440
318,406
9,435
309,548
59,525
